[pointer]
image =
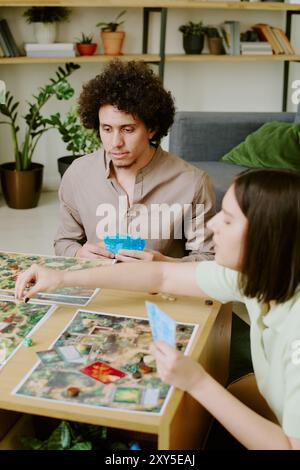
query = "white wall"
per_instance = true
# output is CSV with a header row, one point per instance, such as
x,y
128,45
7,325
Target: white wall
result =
x,y
206,86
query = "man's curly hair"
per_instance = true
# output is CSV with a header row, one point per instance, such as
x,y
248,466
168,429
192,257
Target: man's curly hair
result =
x,y
131,87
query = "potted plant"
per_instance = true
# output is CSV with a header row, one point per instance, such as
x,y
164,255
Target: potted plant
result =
x,y
45,21
112,39
85,46
193,37
79,139
214,39
22,180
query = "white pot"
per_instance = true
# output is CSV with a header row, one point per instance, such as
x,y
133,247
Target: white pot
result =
x,y
45,33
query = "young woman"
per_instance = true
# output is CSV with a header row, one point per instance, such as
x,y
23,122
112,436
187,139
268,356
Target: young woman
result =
x,y
257,244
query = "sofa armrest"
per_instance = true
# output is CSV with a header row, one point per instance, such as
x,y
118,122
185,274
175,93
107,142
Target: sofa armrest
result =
x,y
207,136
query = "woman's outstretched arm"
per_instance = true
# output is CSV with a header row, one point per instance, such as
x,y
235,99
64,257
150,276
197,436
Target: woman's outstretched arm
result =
x,y
173,278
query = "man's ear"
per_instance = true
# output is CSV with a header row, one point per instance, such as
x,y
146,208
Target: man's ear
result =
x,y
151,133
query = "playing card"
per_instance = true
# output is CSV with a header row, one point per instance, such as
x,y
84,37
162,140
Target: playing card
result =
x,y
69,354
48,356
163,327
128,395
103,372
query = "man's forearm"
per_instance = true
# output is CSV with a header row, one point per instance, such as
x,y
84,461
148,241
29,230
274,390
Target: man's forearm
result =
x,y
66,247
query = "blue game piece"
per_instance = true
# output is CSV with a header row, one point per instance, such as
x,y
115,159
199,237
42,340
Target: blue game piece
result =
x,y
118,242
134,446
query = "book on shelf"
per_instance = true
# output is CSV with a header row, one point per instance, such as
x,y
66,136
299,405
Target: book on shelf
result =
x,y
54,46
230,34
50,50
276,37
256,48
11,49
284,41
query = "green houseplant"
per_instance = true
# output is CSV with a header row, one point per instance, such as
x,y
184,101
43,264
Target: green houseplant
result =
x,y
17,177
85,44
193,37
78,139
45,20
112,39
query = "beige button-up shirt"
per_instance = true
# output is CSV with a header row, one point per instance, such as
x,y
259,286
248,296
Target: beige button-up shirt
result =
x,y
172,202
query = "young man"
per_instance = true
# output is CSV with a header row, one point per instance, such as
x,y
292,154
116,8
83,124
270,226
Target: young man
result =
x,y
131,185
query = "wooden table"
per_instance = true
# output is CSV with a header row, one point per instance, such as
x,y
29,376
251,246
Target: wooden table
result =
x,y
184,423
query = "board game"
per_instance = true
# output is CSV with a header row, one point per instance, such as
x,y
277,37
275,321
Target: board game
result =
x,y
102,360
18,321
11,264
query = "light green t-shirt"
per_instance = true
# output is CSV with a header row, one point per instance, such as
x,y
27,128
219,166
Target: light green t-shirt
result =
x,y
275,343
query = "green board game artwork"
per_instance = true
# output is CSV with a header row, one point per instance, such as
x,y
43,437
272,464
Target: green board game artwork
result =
x,y
17,322
11,264
103,360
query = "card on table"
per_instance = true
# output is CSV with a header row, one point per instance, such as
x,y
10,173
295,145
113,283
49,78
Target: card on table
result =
x,y
69,354
128,395
103,372
49,356
163,327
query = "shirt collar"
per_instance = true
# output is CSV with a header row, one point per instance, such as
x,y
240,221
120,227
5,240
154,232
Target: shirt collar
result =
x,y
142,172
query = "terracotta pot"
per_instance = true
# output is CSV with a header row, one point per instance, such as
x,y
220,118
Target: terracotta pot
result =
x,y
86,49
21,189
215,46
112,42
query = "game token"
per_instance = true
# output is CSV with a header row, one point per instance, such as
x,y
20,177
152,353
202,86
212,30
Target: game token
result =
x,y
73,391
27,342
137,375
144,368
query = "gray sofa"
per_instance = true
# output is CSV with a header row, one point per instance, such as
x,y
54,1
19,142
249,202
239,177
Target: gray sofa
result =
x,y
202,138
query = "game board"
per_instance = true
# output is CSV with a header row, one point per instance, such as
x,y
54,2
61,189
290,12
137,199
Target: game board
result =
x,y
102,360
11,264
17,321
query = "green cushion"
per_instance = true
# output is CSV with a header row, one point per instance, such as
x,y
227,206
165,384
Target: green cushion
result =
x,y
273,145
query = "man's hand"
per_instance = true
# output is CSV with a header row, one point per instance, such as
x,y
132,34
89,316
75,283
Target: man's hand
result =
x,y
44,280
140,255
92,251
176,369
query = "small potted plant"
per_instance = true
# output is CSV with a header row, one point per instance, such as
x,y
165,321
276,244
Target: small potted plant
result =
x,y
193,37
78,139
215,43
45,21
22,179
85,46
112,39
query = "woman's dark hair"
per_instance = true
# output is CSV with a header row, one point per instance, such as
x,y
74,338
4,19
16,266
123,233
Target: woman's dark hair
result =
x,y
270,199
131,87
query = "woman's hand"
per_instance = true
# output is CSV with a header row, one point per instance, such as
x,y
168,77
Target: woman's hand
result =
x,y
176,369
44,280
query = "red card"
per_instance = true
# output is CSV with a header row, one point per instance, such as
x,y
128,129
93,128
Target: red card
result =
x,y
103,372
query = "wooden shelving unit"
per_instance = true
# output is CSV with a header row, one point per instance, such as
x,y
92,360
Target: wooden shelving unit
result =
x,y
230,58
101,58
211,5
162,7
